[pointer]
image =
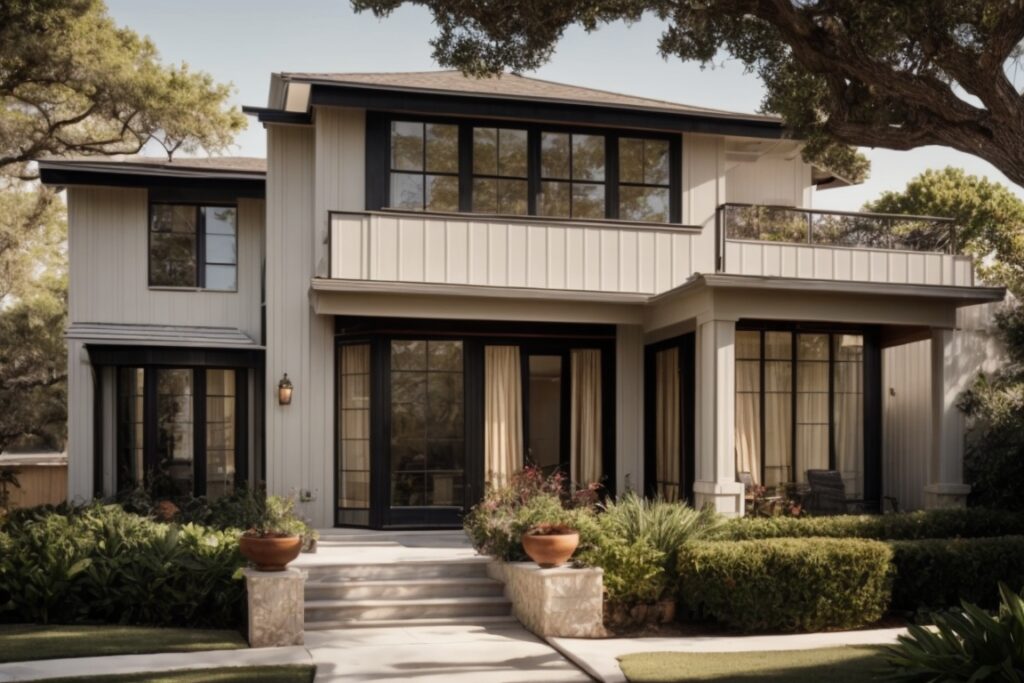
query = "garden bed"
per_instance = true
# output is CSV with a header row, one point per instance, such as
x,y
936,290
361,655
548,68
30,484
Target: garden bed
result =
x,y
235,674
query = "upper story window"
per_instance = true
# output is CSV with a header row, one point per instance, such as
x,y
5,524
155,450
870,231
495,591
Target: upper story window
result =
x,y
644,186
193,246
523,169
500,171
424,166
572,175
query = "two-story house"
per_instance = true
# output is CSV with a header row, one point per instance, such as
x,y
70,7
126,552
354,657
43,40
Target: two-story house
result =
x,y
436,279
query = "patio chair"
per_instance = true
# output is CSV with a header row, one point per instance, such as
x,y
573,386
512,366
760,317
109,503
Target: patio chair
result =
x,y
828,495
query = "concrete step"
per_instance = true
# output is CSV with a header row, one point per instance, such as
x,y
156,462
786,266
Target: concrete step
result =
x,y
405,569
385,623
464,609
407,589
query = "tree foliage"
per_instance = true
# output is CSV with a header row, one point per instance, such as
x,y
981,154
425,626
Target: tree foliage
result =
x,y
870,73
988,216
73,82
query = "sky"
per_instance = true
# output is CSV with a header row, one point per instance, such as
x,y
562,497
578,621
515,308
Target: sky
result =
x,y
244,41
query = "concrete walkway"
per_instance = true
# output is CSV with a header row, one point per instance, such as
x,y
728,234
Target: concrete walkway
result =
x,y
130,664
498,653
600,658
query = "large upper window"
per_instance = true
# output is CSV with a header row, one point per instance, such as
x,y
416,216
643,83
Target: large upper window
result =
x,y
424,166
193,246
572,175
500,171
644,188
523,169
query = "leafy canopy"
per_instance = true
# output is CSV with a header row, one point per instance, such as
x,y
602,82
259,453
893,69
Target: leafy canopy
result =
x,y
870,73
73,82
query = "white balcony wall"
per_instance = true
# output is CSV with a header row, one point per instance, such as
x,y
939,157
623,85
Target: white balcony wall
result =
x,y
455,250
776,259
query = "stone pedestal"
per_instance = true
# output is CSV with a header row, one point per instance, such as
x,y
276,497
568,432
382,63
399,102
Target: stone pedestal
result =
x,y
561,602
276,607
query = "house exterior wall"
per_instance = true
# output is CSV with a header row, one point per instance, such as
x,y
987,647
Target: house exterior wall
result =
x,y
772,179
108,252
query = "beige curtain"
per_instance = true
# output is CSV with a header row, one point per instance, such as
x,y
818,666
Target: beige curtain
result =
x,y
667,423
354,427
849,412
585,442
503,414
778,421
748,418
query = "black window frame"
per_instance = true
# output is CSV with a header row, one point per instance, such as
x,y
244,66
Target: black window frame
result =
x,y
150,424
378,164
423,172
872,387
498,126
642,185
200,244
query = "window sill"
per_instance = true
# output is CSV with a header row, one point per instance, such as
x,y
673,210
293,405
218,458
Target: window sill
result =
x,y
534,220
158,288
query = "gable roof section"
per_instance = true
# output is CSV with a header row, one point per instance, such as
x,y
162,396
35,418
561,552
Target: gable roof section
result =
x,y
236,176
292,95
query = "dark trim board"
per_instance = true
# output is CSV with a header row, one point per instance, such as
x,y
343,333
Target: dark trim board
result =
x,y
102,354
687,414
407,102
171,189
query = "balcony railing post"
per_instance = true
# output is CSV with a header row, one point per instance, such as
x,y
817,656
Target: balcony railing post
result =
x,y
810,228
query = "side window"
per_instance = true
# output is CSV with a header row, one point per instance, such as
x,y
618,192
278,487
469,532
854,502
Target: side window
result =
x,y
500,171
193,246
424,166
644,186
572,175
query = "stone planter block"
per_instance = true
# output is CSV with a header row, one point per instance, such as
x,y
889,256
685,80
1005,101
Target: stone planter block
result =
x,y
276,607
561,602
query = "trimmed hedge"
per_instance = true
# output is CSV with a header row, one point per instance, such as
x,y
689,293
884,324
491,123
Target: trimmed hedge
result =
x,y
939,573
788,584
98,563
955,523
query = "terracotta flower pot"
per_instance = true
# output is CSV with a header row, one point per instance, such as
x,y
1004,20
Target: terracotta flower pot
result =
x,y
550,546
270,553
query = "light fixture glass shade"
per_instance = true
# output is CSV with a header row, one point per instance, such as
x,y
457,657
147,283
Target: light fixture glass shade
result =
x,y
284,390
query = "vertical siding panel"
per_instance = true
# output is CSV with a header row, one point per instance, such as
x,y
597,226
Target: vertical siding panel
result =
x,y
898,267
682,259
556,257
609,250
772,260
457,252
645,264
435,240
915,269
933,268
733,261
516,255
629,277
823,264
805,262
843,264
789,260
537,256
479,264
575,258
497,254
591,259
878,266
663,261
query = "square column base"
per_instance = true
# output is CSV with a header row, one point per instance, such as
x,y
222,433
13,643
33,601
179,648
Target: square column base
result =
x,y
276,605
725,497
937,496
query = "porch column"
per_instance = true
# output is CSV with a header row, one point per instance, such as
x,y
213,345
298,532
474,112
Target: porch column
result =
x,y
715,482
629,409
945,487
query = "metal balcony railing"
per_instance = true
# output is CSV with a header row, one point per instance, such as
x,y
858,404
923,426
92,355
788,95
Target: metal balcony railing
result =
x,y
845,229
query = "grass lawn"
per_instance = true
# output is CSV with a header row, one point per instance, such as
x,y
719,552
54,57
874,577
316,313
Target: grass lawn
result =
x,y
241,674
832,664
23,643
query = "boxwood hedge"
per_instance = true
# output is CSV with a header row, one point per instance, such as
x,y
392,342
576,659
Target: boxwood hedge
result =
x,y
788,584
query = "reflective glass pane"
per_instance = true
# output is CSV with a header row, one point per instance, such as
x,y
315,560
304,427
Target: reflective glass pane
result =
x,y
656,162
485,195
588,200
408,355
442,142
220,249
219,220
554,199
631,160
442,193
513,197
649,204
174,443
554,155
221,278
512,149
173,218
587,157
354,426
172,260
812,347
748,344
444,355
406,146
485,151
130,436
407,191
778,345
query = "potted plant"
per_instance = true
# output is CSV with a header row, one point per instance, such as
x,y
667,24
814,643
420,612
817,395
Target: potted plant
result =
x,y
276,537
550,545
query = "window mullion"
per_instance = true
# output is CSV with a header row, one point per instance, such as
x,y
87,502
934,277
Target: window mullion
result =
x,y
200,247
611,175
465,156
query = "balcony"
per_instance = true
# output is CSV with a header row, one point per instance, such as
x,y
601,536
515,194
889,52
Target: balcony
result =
x,y
839,245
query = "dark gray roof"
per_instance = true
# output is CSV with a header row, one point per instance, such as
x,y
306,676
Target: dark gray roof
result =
x,y
512,86
221,167
161,335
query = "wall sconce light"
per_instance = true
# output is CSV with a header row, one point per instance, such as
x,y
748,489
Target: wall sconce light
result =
x,y
284,390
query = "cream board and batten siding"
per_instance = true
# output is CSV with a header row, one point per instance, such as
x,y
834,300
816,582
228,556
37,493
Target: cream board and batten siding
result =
x,y
771,180
108,254
108,249
906,399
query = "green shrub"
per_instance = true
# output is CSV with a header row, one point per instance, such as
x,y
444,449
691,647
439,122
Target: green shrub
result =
x,y
969,645
962,523
101,563
939,573
634,570
787,584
